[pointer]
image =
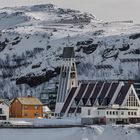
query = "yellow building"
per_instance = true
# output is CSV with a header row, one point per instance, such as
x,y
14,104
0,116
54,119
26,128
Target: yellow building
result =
x,y
26,107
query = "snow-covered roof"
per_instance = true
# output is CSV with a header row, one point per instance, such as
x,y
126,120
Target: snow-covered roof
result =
x,y
29,101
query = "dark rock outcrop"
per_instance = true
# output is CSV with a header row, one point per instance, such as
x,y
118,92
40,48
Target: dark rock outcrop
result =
x,y
39,79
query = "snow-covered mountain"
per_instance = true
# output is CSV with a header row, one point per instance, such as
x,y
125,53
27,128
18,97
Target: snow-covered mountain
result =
x,y
32,39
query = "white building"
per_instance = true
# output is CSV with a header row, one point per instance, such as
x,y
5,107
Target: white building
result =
x,y
98,101
125,108
4,110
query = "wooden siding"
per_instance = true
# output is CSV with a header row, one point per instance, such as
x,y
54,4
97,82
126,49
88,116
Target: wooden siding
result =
x,y
17,110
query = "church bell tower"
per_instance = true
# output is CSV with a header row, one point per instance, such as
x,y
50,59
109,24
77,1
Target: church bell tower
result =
x,y
67,79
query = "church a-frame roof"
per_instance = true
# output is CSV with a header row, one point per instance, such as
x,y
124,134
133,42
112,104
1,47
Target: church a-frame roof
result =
x,y
88,93
105,93
122,94
68,100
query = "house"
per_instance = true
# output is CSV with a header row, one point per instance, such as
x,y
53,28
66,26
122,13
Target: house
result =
x,y
4,109
26,107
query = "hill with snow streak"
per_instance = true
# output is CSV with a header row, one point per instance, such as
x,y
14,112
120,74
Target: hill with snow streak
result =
x,y
32,40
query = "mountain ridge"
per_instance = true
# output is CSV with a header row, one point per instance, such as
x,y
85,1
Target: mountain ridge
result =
x,y
32,39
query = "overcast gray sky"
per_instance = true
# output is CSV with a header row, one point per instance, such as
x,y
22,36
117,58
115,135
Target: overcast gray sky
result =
x,y
107,10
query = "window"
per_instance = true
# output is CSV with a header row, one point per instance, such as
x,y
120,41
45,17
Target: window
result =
x,y
73,68
132,101
0,110
113,112
116,112
107,112
135,113
25,114
44,96
128,113
110,113
72,83
2,117
122,113
25,107
36,107
88,112
132,113
72,75
36,114
113,120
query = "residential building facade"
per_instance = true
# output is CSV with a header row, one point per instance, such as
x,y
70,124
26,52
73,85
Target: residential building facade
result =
x,y
26,107
4,110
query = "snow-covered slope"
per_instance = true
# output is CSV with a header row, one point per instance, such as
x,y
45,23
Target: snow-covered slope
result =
x,y
32,39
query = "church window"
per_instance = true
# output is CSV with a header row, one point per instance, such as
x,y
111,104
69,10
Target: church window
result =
x,y
132,101
72,75
107,112
72,83
122,113
73,68
88,112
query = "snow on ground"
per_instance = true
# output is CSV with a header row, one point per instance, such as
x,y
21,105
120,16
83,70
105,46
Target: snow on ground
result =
x,y
87,133
45,122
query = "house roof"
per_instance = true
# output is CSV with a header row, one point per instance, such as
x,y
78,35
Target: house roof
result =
x,y
5,101
29,101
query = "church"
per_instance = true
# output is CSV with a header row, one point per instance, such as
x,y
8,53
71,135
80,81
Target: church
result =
x,y
109,100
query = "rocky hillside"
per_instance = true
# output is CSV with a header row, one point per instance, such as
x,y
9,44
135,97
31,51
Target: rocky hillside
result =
x,y
32,39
